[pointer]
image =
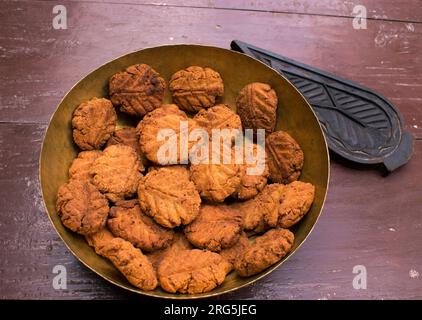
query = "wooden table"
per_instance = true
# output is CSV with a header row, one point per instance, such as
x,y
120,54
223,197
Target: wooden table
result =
x,y
369,219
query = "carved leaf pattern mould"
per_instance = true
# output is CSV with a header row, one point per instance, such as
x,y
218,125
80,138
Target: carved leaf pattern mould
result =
x,y
359,124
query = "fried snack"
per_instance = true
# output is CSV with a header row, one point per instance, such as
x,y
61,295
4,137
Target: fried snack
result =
x,y
296,200
219,180
93,122
167,117
264,251
81,207
169,197
128,222
285,157
218,117
196,88
128,137
261,209
179,168
81,166
99,239
131,262
116,172
236,251
252,182
179,243
137,90
257,106
192,271
216,227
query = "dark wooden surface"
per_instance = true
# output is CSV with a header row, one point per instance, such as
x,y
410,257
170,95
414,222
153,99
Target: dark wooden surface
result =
x,y
369,219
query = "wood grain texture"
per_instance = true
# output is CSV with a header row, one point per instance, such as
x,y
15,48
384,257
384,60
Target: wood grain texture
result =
x,y
399,10
368,219
40,64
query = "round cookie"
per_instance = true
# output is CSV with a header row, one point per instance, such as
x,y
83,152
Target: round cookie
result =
x,y
81,207
137,90
285,157
164,119
169,197
218,117
192,271
196,88
296,200
254,174
217,181
116,172
81,167
93,122
217,227
257,106
128,137
264,251
127,221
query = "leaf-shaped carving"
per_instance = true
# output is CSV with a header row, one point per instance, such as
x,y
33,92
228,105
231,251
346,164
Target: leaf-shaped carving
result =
x,y
367,113
351,122
313,91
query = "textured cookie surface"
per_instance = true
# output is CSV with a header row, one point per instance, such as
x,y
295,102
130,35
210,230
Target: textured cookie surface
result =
x,y
257,212
264,252
217,179
168,121
169,197
93,122
257,106
116,172
137,90
235,252
196,88
80,168
216,227
131,262
81,207
254,173
218,117
192,271
127,221
296,200
285,157
128,137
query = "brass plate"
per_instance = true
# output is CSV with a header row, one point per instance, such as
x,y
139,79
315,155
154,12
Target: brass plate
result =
x,y
294,115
